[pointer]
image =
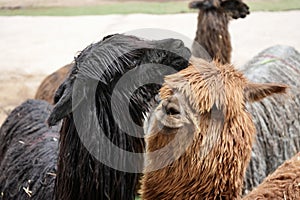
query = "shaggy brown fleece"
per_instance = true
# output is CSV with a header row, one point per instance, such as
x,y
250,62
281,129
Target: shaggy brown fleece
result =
x,y
202,132
284,183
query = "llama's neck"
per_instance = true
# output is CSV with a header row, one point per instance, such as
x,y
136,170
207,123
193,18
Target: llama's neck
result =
x,y
213,35
217,175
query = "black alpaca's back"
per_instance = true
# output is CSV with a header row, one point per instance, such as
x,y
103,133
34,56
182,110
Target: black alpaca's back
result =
x,y
28,153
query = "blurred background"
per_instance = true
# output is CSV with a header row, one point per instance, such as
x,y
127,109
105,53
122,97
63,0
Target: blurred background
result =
x,y
39,36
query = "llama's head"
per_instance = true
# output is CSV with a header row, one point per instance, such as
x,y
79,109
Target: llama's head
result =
x,y
105,62
233,8
199,137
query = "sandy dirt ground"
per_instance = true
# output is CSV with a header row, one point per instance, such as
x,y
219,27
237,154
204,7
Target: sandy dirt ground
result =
x,y
32,47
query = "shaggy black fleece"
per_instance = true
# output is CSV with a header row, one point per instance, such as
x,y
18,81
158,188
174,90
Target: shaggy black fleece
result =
x,y
28,153
89,91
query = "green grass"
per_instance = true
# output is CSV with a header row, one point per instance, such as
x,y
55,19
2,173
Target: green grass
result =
x,y
274,5
118,8
142,7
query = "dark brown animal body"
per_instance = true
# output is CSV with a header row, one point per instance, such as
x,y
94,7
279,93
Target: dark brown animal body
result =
x,y
212,33
28,153
50,84
277,120
284,183
199,138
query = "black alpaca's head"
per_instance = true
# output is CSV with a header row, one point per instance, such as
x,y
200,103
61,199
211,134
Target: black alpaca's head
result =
x,y
107,61
233,8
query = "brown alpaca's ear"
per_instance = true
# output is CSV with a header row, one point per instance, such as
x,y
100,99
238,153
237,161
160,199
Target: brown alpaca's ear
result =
x,y
256,91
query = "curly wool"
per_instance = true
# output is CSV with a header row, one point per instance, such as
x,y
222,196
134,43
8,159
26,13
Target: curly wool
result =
x,y
28,153
277,119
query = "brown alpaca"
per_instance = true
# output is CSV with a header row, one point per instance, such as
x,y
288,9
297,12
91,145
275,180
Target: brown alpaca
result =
x,y
199,138
212,30
50,84
284,183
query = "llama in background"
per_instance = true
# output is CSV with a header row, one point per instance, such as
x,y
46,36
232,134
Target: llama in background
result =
x,y
212,34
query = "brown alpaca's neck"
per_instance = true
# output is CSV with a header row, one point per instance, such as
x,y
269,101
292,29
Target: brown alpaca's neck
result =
x,y
212,34
217,175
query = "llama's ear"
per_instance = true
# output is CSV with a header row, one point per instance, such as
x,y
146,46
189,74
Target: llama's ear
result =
x,y
201,4
258,91
64,104
195,4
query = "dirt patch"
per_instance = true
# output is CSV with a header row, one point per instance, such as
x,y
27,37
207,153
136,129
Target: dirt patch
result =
x,y
15,88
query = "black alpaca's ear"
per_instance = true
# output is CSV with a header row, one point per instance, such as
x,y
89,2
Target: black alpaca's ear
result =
x,y
63,102
60,91
257,91
235,8
109,36
201,4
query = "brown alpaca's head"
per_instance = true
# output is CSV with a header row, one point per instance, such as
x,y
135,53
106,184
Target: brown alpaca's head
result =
x,y
199,137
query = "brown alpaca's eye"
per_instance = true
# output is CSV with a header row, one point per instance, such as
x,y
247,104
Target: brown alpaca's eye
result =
x,y
171,106
171,109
